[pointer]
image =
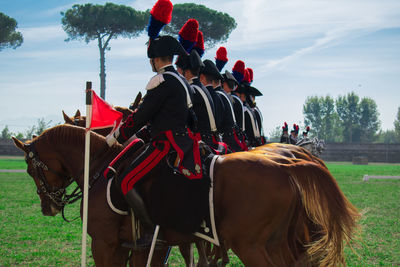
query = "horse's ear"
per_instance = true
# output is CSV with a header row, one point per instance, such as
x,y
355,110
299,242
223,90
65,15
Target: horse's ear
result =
x,y
135,104
34,136
77,113
19,144
67,119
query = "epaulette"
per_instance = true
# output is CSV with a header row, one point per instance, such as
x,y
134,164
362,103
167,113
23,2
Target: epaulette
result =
x,y
155,81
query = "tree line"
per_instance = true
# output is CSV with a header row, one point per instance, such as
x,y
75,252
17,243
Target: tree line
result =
x,y
347,119
28,133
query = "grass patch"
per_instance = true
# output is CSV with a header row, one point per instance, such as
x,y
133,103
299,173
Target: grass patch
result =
x,y
27,238
14,163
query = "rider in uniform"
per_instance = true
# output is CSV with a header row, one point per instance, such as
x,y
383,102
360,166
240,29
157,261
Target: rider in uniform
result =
x,y
305,133
238,72
211,79
189,66
203,104
256,110
229,128
250,125
167,109
294,134
285,134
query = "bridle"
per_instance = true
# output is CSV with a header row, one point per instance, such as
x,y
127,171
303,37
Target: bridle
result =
x,y
59,196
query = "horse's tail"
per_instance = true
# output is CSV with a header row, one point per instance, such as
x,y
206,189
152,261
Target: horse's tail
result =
x,y
329,218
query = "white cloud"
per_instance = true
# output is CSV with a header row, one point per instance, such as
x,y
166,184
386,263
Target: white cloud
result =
x,y
327,22
43,34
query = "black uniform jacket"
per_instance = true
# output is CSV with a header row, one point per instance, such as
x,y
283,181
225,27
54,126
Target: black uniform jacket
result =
x,y
219,106
238,109
251,128
257,114
164,107
228,121
200,96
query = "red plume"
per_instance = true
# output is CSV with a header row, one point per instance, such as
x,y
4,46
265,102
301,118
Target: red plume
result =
x,y
250,73
200,40
189,30
246,76
222,54
239,67
308,128
162,11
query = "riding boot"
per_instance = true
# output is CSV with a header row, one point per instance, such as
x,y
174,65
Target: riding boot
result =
x,y
136,202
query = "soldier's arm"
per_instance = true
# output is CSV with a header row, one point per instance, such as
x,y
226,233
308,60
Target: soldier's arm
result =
x,y
156,93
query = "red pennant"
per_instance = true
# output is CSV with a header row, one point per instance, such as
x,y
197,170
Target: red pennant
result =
x,y
103,114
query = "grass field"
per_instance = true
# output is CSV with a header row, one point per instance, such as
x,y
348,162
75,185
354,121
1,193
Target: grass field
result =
x,y
27,238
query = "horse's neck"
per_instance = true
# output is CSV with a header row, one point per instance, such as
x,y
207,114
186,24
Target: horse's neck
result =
x,y
74,160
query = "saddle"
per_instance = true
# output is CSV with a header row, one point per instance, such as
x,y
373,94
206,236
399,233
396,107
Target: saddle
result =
x,y
174,201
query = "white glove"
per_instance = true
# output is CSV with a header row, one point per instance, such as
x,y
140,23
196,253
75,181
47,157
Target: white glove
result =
x,y
111,140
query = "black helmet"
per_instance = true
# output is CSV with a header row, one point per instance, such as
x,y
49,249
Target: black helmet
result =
x,y
164,46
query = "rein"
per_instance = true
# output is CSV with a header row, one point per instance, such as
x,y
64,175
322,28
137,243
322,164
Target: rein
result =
x,y
58,195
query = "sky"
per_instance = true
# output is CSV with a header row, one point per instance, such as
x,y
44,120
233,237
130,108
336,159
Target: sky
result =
x,y
296,48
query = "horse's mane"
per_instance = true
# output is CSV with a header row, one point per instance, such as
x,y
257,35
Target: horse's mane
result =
x,y
66,134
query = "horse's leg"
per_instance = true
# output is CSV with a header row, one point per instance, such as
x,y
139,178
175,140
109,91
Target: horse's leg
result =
x,y
139,258
187,254
104,253
121,256
214,255
224,254
200,244
254,256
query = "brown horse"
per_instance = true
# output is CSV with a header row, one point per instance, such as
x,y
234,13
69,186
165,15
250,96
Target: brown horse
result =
x,y
107,229
270,210
78,120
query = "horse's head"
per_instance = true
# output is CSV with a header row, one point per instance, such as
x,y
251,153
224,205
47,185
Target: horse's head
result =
x,y
76,120
49,174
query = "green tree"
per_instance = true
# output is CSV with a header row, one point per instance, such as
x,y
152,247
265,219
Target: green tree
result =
x,y
369,120
41,126
397,125
90,22
319,113
359,119
386,137
331,130
275,135
216,26
5,133
349,114
8,36
19,135
312,110
30,132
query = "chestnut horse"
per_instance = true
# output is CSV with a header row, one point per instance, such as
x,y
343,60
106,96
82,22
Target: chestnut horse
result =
x,y
78,120
270,210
